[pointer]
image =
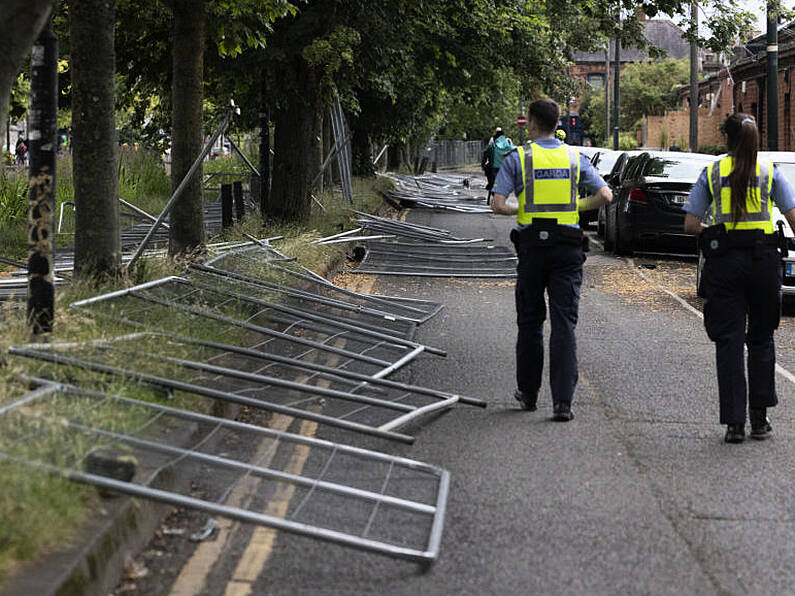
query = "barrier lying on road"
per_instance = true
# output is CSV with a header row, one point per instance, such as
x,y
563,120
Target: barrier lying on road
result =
x,y
337,493
435,260
435,191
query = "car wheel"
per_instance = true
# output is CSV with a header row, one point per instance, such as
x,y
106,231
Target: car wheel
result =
x,y
600,224
700,275
623,241
610,231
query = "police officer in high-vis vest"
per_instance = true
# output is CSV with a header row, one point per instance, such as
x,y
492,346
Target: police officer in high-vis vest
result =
x,y
742,273
545,175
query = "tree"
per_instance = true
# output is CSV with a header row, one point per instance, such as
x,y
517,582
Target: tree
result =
x,y
95,147
20,25
186,230
650,88
646,88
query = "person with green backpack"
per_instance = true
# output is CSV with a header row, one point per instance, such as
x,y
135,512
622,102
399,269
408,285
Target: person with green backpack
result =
x,y
493,156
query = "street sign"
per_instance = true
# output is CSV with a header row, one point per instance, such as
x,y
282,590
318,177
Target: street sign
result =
x,y
521,121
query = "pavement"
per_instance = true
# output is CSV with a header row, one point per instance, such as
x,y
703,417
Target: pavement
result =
x,y
638,494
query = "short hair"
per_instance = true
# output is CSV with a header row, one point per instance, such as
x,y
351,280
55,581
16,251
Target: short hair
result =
x,y
546,113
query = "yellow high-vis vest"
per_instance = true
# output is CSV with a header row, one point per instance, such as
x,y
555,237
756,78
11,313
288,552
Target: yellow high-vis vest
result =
x,y
551,177
758,203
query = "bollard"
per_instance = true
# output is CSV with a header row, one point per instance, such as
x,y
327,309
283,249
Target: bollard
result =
x,y
240,206
226,206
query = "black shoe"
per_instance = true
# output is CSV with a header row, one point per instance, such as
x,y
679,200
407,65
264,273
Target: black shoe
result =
x,y
528,401
760,423
561,412
735,433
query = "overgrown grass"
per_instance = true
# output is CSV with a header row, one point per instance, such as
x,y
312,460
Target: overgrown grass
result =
x,y
40,512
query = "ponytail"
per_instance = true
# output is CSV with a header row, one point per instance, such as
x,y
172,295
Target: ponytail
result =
x,y
743,141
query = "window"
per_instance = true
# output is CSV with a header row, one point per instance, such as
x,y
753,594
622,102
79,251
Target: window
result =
x,y
688,169
596,80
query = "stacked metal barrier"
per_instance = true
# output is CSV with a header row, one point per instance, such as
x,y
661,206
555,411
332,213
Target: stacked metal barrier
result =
x,y
253,328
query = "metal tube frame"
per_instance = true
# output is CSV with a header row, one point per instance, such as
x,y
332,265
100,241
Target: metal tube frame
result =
x,y
437,510
49,356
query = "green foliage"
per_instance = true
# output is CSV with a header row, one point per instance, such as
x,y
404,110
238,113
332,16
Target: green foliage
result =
x,y
712,149
13,194
648,88
627,141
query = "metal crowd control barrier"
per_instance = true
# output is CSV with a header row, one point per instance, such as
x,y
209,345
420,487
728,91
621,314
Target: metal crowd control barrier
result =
x,y
340,494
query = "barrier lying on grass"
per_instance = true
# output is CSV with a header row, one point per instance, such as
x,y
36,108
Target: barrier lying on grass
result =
x,y
341,494
176,304
254,264
271,382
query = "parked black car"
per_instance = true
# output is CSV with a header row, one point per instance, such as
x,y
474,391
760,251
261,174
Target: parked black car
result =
x,y
646,211
612,167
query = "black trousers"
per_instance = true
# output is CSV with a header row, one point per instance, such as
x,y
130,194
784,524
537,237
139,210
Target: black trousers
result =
x,y
558,271
743,307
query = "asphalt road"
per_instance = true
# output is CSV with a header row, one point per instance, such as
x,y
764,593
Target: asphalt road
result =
x,y
638,494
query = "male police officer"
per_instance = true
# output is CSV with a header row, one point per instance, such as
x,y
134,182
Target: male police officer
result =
x,y
545,176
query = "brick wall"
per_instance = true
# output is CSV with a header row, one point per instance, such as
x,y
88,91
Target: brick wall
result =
x,y
676,126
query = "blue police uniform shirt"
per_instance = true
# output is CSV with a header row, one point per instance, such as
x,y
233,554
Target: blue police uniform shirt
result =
x,y
510,179
700,198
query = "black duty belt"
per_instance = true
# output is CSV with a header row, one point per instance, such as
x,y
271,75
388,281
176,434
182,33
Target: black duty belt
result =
x,y
548,232
715,240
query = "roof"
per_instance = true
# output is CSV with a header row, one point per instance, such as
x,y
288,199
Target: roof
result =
x,y
658,32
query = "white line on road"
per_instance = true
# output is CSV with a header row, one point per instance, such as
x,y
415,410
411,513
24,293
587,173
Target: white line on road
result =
x,y
779,369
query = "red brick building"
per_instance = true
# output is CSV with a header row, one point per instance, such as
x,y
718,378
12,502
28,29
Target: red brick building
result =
x,y
742,86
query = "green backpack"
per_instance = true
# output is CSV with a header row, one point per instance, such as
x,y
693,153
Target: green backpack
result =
x,y
502,147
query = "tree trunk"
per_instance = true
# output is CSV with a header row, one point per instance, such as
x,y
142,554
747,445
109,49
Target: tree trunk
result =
x,y
362,163
295,141
21,21
95,167
393,156
42,181
187,129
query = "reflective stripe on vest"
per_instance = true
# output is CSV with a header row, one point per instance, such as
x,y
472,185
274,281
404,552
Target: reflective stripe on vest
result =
x,y
759,215
550,179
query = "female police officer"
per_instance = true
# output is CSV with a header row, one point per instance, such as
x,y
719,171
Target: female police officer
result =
x,y
742,273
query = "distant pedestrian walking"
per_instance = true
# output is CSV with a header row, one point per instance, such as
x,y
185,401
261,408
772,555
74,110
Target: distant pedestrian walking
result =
x,y
20,152
742,273
545,176
499,146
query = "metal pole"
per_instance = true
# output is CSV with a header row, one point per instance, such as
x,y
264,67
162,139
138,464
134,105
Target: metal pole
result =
x,y
242,155
694,77
182,185
521,113
772,75
264,148
616,78
607,94
41,197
